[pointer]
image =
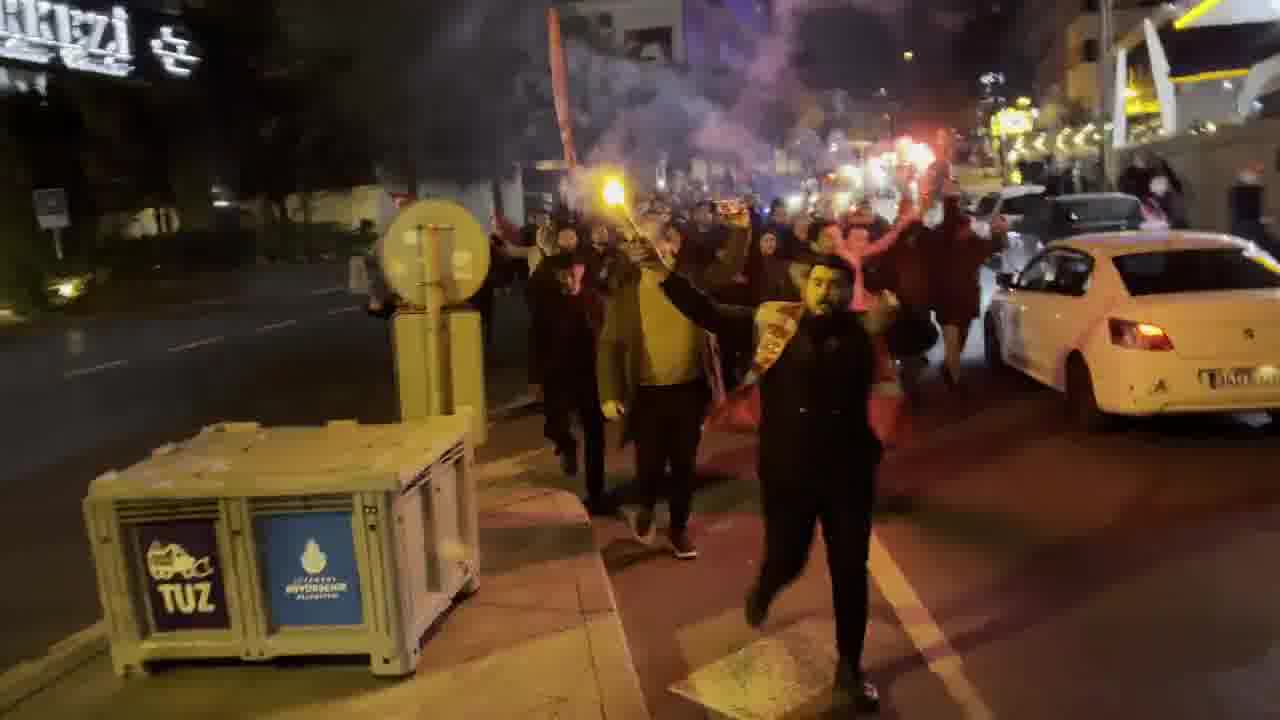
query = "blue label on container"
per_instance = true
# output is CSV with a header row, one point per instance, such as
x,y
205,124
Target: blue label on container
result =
x,y
309,569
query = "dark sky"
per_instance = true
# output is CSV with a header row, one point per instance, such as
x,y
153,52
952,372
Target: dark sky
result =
x,y
858,46
953,40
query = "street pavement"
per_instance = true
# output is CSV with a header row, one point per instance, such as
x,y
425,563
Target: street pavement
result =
x,y
1042,572
87,395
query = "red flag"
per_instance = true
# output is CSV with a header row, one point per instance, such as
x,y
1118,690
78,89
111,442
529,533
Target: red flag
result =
x,y
560,86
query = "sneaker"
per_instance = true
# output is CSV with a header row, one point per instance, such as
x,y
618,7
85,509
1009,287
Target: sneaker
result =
x,y
862,694
642,526
756,608
682,546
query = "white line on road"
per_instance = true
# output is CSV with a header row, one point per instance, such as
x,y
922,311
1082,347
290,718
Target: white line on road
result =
x,y
95,369
925,634
197,344
348,309
277,326
329,290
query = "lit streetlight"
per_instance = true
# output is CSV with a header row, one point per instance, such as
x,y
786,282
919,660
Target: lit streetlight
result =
x,y
908,56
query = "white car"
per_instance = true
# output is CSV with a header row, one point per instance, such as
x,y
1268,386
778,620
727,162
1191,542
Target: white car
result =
x,y
1014,203
1144,324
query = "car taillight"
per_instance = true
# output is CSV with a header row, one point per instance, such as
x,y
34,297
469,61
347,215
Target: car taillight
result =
x,y
1139,336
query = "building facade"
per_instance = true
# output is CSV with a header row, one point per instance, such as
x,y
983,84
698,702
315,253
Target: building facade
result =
x,y
710,35
1062,40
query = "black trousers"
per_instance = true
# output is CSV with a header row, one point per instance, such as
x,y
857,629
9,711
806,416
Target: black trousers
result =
x,y
564,398
843,501
666,425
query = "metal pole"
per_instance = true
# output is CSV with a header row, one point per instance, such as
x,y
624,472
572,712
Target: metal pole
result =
x,y
57,243
1106,42
432,296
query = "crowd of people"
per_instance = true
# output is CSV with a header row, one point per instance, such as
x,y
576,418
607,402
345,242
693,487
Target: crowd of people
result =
x,y
653,324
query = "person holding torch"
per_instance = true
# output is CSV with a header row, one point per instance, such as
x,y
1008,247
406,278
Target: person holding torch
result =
x,y
654,366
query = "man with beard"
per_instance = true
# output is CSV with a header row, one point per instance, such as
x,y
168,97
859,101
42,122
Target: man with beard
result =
x,y
818,454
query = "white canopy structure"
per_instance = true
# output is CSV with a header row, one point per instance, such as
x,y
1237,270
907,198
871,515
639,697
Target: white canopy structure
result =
x,y
1208,13
1263,79
1191,15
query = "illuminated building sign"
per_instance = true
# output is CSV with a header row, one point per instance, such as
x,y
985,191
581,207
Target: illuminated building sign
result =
x,y
41,32
1011,122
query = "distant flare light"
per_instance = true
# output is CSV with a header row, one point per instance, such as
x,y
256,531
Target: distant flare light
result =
x,y
920,155
615,194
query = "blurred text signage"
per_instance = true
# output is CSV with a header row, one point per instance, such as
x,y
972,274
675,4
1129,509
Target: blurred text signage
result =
x,y
1011,122
51,209
42,32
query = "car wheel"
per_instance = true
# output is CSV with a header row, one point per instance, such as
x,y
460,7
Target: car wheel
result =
x,y
991,349
1082,403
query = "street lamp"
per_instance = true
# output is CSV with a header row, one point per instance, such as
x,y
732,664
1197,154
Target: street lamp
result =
x,y
908,56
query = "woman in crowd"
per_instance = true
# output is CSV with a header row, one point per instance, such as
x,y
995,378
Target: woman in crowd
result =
x,y
956,255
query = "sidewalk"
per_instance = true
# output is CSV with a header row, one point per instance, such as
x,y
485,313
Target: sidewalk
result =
x,y
541,639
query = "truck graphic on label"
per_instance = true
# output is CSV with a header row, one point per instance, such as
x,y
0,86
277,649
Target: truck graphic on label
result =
x,y
166,561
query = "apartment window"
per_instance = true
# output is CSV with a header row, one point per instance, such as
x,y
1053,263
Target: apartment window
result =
x,y
651,44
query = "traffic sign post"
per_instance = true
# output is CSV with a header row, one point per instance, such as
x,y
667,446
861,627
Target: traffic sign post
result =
x,y
52,214
435,256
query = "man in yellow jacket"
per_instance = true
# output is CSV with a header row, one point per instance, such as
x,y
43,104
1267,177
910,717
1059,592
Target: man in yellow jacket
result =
x,y
652,368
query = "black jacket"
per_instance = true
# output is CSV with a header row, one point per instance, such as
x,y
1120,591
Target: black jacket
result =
x,y
813,401
564,330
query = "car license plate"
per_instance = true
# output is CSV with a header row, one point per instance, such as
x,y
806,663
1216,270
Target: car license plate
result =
x,y
1240,377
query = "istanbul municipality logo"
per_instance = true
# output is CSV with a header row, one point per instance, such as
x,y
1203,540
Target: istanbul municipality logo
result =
x,y
313,585
314,561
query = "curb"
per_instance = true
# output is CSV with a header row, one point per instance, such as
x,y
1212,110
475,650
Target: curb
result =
x,y
621,694
65,657
521,405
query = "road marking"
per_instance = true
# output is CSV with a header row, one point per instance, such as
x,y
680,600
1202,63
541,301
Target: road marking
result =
x,y
197,344
95,369
341,310
930,641
329,290
277,326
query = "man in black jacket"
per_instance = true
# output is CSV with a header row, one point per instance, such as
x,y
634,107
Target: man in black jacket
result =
x,y
566,321
818,454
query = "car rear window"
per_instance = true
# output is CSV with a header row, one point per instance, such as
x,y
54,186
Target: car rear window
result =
x,y
987,205
1022,205
1188,271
